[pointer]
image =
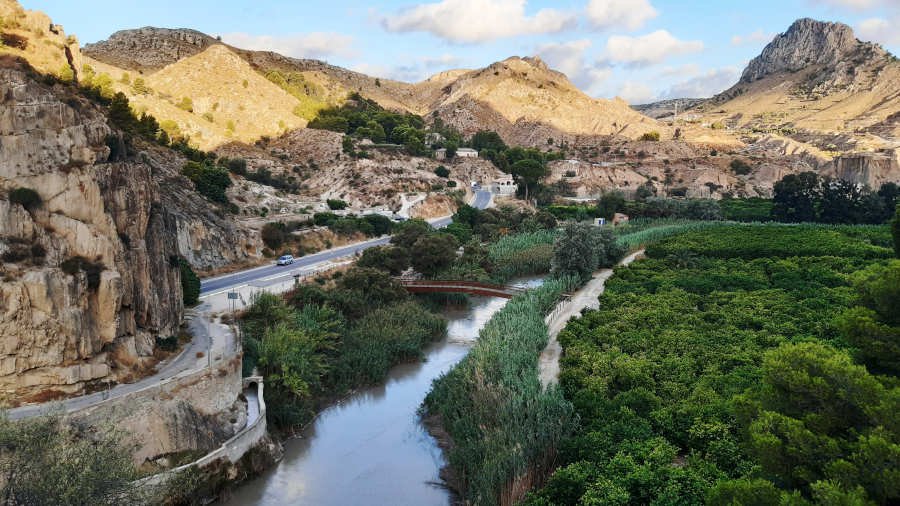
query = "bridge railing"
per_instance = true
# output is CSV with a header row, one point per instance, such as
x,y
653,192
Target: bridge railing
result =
x,y
458,283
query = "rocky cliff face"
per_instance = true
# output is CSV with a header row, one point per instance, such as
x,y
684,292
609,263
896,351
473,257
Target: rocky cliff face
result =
x,y
89,279
871,169
149,49
807,42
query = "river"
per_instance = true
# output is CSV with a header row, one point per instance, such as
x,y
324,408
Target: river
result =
x,y
372,448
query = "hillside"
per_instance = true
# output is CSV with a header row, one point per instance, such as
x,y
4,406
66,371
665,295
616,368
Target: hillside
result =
x,y
521,98
818,84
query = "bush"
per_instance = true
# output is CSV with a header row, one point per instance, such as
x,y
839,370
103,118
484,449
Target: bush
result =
x,y
190,283
442,171
740,167
92,270
651,136
26,197
336,204
211,181
274,235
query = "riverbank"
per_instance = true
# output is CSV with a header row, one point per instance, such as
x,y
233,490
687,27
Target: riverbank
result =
x,y
370,446
499,448
587,297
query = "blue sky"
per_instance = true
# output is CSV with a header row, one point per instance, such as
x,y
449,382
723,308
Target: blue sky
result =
x,y
640,50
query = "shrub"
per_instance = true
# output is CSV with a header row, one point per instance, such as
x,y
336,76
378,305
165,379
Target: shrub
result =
x,y
274,235
336,204
14,41
740,167
190,283
92,270
651,136
186,104
26,197
442,171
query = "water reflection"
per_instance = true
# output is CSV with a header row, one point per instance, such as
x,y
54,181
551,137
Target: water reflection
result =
x,y
371,449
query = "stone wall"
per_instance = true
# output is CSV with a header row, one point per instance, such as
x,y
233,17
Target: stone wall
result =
x,y
192,412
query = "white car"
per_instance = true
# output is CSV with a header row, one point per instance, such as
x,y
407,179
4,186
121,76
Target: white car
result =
x,y
285,260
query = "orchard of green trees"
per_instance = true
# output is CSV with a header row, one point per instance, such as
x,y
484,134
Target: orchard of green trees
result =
x,y
738,365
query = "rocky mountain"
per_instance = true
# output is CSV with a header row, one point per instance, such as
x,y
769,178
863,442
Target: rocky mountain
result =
x,y
666,109
820,85
89,242
521,98
149,49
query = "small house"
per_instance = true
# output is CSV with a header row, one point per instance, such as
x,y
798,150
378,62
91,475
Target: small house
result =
x,y
504,185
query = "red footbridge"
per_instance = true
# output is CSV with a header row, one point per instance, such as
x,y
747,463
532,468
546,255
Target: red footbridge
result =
x,y
468,287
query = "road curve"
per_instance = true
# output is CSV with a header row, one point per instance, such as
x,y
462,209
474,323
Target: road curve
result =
x,y
215,285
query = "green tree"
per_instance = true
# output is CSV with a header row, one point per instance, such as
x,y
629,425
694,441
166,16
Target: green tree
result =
x,y
392,259
879,290
190,283
530,173
574,253
45,461
433,253
274,235
488,140
796,198
407,233
442,171
610,203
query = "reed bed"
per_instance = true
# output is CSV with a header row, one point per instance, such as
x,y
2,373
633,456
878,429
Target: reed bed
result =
x,y
505,428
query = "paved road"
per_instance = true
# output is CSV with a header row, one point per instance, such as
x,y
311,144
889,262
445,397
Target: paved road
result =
x,y
216,285
187,360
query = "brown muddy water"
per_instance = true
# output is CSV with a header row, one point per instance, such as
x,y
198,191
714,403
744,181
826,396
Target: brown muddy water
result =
x,y
372,449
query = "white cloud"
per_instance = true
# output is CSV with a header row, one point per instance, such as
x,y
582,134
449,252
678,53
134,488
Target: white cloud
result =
x,y
703,86
566,57
648,49
635,93
307,45
629,14
757,37
879,30
569,58
686,70
469,21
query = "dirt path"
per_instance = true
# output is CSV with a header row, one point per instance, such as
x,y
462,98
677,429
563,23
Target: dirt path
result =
x,y
585,298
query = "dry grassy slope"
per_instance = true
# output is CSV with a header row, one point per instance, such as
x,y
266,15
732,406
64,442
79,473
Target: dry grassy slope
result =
x,y
46,42
775,100
524,92
207,87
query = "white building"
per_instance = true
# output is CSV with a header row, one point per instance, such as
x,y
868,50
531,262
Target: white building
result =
x,y
504,186
441,154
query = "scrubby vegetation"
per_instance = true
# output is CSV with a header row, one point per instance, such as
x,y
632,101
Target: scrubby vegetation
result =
x,y
806,197
364,118
45,460
318,343
505,428
25,197
190,283
738,365
211,180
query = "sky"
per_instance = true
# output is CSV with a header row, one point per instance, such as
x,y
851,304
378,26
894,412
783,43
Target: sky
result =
x,y
640,50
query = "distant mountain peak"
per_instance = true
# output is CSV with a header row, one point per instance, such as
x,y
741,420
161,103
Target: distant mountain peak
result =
x,y
149,48
807,42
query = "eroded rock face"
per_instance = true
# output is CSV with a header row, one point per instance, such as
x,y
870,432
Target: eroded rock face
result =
x,y
92,278
148,48
807,42
870,169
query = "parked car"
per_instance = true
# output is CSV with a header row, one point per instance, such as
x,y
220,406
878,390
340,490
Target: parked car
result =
x,y
285,260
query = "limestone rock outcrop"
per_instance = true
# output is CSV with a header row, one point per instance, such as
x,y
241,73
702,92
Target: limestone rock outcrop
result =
x,y
90,270
148,48
807,42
